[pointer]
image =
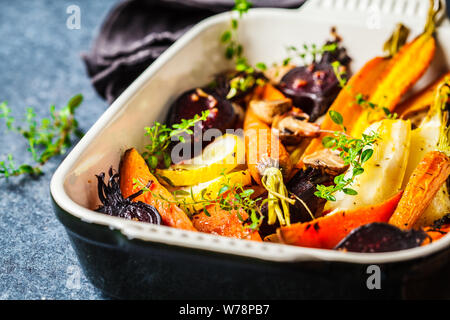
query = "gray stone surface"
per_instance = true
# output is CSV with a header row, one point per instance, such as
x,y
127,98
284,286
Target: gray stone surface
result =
x,y
40,65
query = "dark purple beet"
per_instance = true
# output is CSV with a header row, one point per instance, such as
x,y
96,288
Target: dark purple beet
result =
x,y
221,116
115,205
303,184
195,101
312,88
381,237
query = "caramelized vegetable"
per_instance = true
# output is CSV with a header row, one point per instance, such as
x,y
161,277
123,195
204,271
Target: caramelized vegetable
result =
x,y
431,135
403,71
267,110
114,204
426,180
133,168
327,231
363,82
268,161
439,229
381,237
224,223
421,101
383,172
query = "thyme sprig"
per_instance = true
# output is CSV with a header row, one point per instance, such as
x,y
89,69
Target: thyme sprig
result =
x,y
308,53
234,51
354,152
230,197
161,136
50,138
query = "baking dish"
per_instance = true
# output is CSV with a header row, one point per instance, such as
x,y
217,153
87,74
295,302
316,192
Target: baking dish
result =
x,y
132,259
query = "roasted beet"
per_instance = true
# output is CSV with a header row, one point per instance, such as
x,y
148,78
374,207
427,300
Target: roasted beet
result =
x,y
193,102
312,88
303,185
381,237
115,205
221,116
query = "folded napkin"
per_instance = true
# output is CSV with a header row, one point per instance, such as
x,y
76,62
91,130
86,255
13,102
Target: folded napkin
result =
x,y
136,32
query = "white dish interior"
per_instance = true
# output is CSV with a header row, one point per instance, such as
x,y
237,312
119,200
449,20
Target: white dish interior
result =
x,y
191,62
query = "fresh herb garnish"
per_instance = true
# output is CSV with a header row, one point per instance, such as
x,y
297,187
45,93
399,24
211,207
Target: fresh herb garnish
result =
x,y
161,136
230,197
52,137
340,72
234,51
354,152
309,53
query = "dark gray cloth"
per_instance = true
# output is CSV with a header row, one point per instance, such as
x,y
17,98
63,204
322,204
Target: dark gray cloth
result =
x,y
136,32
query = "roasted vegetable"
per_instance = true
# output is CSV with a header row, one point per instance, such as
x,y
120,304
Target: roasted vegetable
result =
x,y
291,127
421,101
114,204
268,163
301,188
326,232
381,237
440,228
267,110
221,156
226,223
135,175
363,82
327,161
426,180
313,87
383,172
425,139
403,71
221,115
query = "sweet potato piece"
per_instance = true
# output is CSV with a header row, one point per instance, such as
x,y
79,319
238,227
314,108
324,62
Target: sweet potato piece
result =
x,y
132,167
224,223
326,232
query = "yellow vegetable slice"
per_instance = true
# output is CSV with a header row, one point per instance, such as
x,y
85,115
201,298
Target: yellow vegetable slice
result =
x,y
210,190
221,156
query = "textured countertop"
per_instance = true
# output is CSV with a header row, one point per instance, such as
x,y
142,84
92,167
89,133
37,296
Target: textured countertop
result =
x,y
40,65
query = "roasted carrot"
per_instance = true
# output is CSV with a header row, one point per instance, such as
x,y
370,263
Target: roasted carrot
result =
x,y
134,168
268,163
263,149
224,223
420,101
326,232
425,181
403,71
